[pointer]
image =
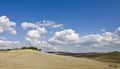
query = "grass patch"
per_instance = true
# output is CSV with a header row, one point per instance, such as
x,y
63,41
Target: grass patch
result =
x,y
113,57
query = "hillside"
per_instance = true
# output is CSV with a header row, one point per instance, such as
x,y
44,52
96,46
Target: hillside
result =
x,y
113,57
32,59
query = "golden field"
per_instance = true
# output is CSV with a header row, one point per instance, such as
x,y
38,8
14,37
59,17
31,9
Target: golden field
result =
x,y
32,59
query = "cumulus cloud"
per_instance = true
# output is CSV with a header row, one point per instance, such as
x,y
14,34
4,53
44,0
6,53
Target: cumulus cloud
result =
x,y
5,44
36,33
28,25
107,41
7,25
50,24
95,42
33,36
65,37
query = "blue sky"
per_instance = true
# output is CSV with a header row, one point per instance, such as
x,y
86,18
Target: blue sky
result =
x,y
85,17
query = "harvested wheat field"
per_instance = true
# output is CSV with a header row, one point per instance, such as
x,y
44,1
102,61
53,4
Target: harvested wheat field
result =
x,y
32,59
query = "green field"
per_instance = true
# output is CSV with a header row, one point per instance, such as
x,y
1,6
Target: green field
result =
x,y
113,57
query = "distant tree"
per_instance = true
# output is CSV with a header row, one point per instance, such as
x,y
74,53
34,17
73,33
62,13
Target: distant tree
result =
x,y
31,47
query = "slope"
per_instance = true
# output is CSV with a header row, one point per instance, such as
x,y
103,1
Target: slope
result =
x,y
31,59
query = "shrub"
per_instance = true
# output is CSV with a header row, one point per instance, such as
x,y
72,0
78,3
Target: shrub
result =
x,y
33,48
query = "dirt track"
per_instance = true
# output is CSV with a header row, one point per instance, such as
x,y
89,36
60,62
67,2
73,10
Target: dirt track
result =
x,y
31,59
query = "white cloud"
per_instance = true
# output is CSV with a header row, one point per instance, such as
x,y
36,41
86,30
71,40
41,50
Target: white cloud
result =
x,y
92,38
5,44
33,36
96,42
41,29
50,24
64,37
105,40
57,26
36,33
107,36
28,25
46,23
7,25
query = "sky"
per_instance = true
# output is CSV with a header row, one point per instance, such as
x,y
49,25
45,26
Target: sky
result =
x,y
61,25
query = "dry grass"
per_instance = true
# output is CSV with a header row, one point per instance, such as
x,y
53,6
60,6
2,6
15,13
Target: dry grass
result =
x,y
31,59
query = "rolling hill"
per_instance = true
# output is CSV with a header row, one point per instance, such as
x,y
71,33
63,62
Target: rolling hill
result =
x,y
113,57
32,59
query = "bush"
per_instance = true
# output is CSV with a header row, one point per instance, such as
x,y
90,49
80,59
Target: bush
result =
x,y
33,48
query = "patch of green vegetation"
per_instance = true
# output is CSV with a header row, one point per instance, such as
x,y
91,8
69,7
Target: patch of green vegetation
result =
x,y
31,47
106,57
109,57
